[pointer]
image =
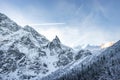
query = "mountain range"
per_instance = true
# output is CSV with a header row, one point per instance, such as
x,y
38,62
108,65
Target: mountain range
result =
x,y
27,55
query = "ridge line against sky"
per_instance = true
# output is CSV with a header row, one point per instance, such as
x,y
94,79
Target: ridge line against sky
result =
x,y
75,22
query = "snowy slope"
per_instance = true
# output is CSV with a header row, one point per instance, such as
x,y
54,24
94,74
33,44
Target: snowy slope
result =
x,y
102,66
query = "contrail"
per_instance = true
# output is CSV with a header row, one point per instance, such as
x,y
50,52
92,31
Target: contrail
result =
x,y
47,24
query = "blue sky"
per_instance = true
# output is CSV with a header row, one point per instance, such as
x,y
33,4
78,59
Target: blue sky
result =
x,y
75,22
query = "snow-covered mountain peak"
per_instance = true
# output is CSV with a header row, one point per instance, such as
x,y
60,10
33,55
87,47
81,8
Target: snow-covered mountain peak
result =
x,y
41,39
56,40
2,17
7,26
30,29
56,37
55,44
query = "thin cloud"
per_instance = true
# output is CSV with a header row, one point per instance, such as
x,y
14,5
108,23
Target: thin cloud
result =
x,y
45,24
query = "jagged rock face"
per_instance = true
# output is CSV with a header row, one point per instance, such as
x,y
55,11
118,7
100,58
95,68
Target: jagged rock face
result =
x,y
82,53
64,54
65,59
11,60
7,26
55,44
36,35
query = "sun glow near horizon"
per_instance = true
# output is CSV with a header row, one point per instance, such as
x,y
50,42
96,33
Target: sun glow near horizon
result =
x,y
108,44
